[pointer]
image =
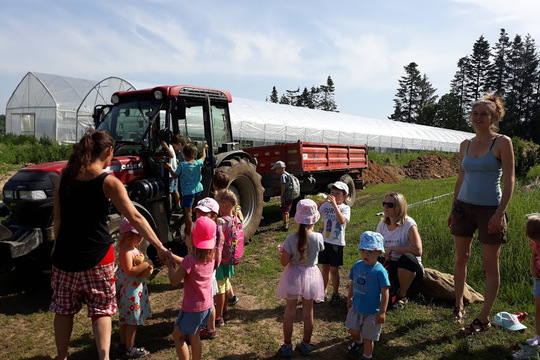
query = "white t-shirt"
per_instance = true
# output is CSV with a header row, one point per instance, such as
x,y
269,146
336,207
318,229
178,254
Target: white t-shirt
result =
x,y
397,237
172,160
334,232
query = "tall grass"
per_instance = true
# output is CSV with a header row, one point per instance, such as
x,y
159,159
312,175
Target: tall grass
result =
x,y
402,158
438,245
21,149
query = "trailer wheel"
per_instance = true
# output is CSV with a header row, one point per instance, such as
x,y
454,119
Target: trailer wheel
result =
x,y
347,179
246,185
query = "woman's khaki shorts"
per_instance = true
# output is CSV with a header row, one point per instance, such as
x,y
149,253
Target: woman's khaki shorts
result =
x,y
466,218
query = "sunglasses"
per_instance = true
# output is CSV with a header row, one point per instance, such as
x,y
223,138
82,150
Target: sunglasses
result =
x,y
388,205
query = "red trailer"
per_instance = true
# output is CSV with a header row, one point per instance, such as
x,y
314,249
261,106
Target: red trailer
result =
x,y
315,164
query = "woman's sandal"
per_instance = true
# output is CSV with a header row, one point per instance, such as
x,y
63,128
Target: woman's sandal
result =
x,y
458,316
475,327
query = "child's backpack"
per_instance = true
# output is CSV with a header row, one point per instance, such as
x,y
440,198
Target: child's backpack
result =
x,y
292,187
233,244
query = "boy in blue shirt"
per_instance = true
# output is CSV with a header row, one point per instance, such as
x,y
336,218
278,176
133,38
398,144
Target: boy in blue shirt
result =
x,y
189,172
368,296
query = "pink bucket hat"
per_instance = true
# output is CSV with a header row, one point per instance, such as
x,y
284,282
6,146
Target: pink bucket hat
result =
x,y
125,226
306,212
208,205
204,233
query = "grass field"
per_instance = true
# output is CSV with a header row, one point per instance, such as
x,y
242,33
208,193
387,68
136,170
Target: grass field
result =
x,y
422,330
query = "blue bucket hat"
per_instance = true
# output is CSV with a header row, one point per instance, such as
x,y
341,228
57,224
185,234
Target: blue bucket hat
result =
x,y
371,240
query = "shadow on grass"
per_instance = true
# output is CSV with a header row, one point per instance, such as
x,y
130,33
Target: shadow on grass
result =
x,y
24,294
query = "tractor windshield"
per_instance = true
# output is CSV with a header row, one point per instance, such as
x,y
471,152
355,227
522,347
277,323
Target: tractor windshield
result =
x,y
130,122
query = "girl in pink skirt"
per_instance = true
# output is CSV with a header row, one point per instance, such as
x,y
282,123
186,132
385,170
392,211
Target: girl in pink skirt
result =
x,y
301,278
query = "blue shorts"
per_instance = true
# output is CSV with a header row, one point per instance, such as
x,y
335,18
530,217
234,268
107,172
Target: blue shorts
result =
x,y
189,322
173,185
536,288
331,255
187,200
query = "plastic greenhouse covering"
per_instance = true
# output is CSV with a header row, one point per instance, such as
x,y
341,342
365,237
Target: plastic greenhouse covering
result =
x,y
58,107
266,123
61,108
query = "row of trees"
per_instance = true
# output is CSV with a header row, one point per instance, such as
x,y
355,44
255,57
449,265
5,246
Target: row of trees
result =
x,y
319,97
510,69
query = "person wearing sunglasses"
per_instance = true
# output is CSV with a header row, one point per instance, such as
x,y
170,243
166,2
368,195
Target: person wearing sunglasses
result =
x,y
403,245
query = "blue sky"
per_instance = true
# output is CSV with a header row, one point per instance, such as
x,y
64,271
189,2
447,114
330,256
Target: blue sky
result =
x,y
249,46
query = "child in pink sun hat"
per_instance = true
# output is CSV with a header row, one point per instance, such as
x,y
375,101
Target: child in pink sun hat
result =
x,y
301,278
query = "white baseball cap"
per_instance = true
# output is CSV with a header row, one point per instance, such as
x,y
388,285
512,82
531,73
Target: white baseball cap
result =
x,y
340,185
208,205
278,164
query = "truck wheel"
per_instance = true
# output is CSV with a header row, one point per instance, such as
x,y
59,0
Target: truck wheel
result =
x,y
246,185
347,179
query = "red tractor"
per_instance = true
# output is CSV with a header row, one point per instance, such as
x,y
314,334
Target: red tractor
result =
x,y
137,121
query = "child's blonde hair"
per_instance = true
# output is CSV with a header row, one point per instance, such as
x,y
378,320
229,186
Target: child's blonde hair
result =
x,y
226,196
401,208
125,239
533,228
199,254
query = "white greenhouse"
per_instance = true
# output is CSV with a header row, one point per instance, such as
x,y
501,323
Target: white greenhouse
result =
x,y
266,123
61,108
57,107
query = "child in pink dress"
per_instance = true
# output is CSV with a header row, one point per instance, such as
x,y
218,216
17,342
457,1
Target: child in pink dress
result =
x,y
301,278
132,293
196,271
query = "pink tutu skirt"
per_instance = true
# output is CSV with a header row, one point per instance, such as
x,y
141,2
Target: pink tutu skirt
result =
x,y
299,282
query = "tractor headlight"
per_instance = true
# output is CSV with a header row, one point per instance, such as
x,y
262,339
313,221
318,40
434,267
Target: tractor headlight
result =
x,y
9,194
32,195
158,94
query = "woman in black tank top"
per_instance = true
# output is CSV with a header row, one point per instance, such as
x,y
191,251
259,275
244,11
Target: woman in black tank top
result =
x,y
82,253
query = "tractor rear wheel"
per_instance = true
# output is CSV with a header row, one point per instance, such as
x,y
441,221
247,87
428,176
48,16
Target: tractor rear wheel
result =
x,y
246,185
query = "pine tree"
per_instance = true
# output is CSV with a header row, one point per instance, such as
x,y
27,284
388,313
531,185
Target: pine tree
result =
x,y
478,70
284,100
274,96
327,102
498,75
413,95
458,84
303,99
450,114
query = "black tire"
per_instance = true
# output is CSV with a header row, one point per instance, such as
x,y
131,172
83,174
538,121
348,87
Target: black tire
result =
x,y
347,179
246,185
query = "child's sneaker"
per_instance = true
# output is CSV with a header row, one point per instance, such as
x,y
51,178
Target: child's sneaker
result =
x,y
226,316
137,352
233,300
304,348
286,350
207,334
335,299
220,322
354,350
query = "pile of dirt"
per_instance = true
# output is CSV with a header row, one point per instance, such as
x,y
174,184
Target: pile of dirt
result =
x,y
376,174
430,166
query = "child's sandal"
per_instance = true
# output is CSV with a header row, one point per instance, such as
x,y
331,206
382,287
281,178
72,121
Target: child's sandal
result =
x,y
458,316
475,327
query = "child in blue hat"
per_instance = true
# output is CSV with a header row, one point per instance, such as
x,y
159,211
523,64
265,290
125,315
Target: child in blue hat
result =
x,y
368,296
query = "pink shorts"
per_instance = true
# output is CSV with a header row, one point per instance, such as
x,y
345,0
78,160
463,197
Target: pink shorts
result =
x,y
95,287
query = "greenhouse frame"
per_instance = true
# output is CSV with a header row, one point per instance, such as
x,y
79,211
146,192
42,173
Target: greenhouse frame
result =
x,y
58,107
61,107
